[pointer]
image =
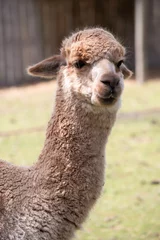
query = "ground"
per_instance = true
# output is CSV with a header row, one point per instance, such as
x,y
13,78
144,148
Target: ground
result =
x,y
129,207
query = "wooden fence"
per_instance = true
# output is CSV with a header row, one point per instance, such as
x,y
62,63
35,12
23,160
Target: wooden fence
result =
x,y
31,30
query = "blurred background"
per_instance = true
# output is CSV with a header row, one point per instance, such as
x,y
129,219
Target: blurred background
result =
x,y
31,30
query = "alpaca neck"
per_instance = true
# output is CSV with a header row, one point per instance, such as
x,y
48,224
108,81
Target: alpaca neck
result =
x,y
73,130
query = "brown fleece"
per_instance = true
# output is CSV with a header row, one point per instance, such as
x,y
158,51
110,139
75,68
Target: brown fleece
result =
x,y
91,45
52,198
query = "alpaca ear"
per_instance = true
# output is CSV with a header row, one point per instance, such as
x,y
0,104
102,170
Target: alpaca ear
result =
x,y
48,68
126,72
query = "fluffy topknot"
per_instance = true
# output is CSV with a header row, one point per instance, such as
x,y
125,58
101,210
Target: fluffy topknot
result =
x,y
91,45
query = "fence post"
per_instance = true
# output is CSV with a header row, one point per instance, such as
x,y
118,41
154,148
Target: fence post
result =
x,y
140,59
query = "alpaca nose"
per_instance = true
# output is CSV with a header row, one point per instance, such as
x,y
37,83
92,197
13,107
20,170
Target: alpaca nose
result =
x,y
110,81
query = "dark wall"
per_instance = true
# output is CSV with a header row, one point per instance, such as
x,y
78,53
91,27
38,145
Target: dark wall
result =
x,y
153,36
31,30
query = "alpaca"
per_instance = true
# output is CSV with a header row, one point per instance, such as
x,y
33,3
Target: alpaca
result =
x,y
51,199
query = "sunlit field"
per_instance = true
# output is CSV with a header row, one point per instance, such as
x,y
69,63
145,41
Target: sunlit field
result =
x,y
129,207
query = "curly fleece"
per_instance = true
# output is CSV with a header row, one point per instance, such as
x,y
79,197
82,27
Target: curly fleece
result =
x,y
91,45
51,199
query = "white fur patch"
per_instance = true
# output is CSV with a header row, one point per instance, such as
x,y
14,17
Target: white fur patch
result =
x,y
115,107
102,67
66,82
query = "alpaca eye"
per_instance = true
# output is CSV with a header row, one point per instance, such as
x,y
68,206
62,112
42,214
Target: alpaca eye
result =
x,y
79,64
119,63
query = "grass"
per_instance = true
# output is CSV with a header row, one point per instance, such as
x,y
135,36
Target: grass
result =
x,y
129,207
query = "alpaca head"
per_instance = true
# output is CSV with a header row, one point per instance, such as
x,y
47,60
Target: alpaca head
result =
x,y
92,65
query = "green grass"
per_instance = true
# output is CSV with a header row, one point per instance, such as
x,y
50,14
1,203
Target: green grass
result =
x,y
129,207
141,97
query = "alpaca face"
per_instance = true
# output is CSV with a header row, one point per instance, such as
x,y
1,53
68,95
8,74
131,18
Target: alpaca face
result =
x,y
91,66
99,83
108,82
95,66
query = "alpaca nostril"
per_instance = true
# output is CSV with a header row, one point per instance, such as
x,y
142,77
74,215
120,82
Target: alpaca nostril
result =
x,y
106,82
111,83
117,82
114,82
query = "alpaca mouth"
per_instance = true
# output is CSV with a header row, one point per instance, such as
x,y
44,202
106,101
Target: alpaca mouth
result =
x,y
111,99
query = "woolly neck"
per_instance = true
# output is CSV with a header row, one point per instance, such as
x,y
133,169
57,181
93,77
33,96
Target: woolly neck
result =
x,y
74,130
